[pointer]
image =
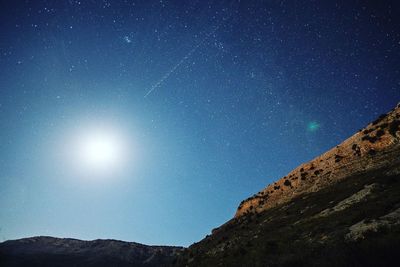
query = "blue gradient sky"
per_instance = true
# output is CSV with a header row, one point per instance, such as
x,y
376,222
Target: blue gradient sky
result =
x,y
244,91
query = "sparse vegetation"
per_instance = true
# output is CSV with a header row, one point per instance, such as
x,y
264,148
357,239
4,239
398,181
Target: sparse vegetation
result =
x,y
380,133
367,131
383,125
287,183
394,127
379,119
371,139
356,149
338,158
280,237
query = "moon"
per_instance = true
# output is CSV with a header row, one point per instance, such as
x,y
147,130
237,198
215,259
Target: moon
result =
x,y
97,151
100,150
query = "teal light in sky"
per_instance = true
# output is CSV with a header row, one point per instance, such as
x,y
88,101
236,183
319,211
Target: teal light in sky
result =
x,y
313,126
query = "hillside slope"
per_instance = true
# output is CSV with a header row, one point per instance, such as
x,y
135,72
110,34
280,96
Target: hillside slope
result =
x,y
340,209
371,148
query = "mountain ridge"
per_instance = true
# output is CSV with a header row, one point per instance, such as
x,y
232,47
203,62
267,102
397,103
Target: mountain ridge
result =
x,y
52,251
379,135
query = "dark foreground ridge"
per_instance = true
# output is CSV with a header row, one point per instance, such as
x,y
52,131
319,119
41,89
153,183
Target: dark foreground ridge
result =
x,y
340,209
355,222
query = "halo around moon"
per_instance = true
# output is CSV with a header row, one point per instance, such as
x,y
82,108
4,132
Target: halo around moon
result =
x,y
99,151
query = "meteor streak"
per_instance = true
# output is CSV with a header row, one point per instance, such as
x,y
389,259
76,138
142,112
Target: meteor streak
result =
x,y
180,62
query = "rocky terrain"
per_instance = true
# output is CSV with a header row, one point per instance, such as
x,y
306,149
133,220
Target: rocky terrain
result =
x,y
370,149
59,252
340,209
355,222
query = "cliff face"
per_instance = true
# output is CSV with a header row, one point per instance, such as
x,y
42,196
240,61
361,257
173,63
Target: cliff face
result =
x,y
374,147
340,209
353,222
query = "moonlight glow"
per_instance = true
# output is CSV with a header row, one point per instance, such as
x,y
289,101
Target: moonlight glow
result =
x,y
99,151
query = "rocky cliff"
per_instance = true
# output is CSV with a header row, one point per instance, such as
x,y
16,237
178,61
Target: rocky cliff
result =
x,y
374,147
340,209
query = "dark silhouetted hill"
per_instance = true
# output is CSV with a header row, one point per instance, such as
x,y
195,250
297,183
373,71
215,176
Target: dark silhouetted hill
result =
x,y
59,252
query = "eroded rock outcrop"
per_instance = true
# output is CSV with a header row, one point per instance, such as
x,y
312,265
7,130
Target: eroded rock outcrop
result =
x,y
375,147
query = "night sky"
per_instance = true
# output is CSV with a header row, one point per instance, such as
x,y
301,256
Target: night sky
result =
x,y
207,102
